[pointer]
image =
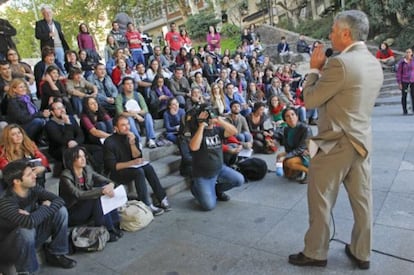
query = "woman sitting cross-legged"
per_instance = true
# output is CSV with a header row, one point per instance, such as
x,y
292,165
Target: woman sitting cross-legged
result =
x,y
81,188
15,144
95,121
296,156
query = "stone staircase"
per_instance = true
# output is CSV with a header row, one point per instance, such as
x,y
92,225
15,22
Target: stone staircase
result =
x,y
165,160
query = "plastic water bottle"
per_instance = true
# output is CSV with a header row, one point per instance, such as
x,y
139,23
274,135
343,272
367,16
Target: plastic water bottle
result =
x,y
279,169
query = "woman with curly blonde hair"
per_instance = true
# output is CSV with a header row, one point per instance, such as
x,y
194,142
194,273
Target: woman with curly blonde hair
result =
x,y
15,144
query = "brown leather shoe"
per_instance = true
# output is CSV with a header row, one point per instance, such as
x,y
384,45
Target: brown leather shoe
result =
x,y
361,264
301,260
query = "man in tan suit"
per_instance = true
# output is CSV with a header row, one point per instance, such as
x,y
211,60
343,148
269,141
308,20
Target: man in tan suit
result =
x,y
344,90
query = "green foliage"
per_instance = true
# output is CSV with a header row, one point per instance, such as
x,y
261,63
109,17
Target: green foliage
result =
x,y
318,29
230,43
405,39
197,25
230,30
69,13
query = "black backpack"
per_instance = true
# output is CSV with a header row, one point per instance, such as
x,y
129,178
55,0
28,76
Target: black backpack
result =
x,y
252,168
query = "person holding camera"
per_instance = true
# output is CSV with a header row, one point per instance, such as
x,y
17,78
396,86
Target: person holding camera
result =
x,y
211,177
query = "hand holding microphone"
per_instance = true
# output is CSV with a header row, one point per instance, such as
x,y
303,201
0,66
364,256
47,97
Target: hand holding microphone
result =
x,y
318,57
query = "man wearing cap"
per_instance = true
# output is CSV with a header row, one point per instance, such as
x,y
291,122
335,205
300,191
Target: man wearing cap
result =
x,y
30,215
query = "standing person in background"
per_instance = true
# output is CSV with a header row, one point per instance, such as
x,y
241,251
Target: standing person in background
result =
x,y
49,32
119,35
405,79
185,40
173,39
6,41
134,44
213,38
110,47
87,42
345,94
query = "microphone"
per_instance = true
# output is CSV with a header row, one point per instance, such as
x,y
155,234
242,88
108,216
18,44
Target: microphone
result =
x,y
329,52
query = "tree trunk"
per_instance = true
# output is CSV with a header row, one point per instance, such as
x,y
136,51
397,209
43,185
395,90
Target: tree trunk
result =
x,y
216,8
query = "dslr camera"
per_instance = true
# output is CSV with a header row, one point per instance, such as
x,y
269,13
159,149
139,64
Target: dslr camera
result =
x,y
212,112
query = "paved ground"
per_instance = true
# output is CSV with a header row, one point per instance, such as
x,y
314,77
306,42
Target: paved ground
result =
x,y
265,222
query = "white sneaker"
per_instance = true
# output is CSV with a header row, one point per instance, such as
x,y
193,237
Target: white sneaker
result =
x,y
151,144
156,211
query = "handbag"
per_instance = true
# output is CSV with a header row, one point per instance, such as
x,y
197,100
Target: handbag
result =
x,y
87,238
135,215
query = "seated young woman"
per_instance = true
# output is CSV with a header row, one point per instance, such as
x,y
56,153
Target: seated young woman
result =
x,y
296,156
95,121
163,93
15,144
263,141
172,119
21,110
52,87
81,188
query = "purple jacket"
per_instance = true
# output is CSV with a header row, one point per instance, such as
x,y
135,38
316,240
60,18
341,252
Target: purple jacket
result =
x,y
405,71
85,41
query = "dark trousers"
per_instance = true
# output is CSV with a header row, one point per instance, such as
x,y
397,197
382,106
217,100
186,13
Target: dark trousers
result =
x,y
138,175
84,211
407,88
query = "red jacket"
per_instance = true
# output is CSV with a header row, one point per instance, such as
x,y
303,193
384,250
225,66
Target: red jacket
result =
x,y
37,154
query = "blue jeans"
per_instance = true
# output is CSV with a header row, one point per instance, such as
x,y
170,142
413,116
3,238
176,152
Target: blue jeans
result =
x,y
133,127
60,55
55,226
77,105
137,56
105,126
34,128
301,113
244,137
171,137
149,126
204,189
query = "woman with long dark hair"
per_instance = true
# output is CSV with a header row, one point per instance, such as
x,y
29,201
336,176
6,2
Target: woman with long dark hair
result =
x,y
296,156
81,188
95,121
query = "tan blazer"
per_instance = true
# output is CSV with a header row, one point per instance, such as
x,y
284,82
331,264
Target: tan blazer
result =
x,y
345,95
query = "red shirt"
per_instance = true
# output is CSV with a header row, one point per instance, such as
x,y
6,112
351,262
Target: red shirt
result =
x,y
174,40
131,35
384,54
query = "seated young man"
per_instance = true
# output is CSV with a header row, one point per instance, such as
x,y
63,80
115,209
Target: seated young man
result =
x,y
124,162
30,215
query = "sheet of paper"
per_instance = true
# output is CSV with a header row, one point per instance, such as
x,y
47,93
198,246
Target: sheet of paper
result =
x,y
145,162
118,200
245,153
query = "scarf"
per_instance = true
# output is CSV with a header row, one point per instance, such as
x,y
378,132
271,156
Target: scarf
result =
x,y
31,108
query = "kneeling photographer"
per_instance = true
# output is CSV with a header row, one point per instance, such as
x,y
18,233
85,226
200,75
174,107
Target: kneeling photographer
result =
x,y
211,177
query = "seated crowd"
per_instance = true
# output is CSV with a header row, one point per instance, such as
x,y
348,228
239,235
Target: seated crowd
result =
x,y
86,114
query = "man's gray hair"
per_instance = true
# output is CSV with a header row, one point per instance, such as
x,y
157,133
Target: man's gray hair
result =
x,y
45,7
356,21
